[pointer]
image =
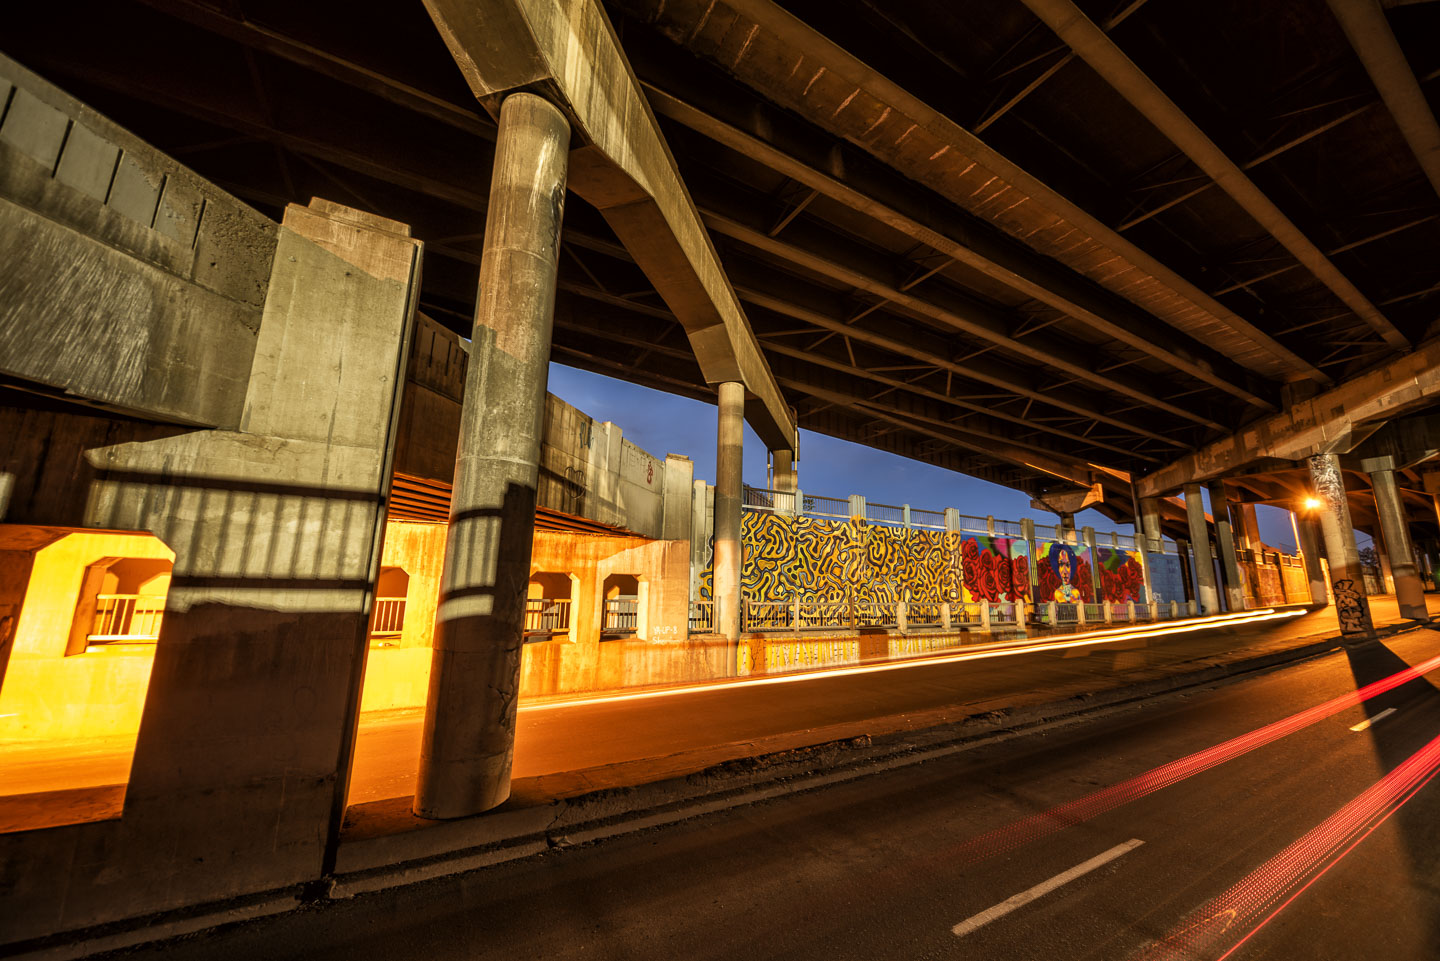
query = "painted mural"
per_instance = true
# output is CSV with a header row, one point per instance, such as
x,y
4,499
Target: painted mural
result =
x,y
995,569
827,560
1122,578
1064,573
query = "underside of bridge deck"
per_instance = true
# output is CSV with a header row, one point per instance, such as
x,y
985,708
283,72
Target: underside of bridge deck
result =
x,y
1017,240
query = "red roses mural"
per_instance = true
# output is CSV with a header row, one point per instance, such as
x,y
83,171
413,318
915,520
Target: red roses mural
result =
x,y
1124,583
990,574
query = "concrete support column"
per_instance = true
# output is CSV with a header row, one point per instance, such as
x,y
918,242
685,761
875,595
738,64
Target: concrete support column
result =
x,y
469,737
1200,537
1247,527
1352,608
1309,546
1225,544
1395,528
730,448
783,470
1149,526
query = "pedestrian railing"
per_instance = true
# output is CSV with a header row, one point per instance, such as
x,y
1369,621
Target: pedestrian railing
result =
x,y
622,615
546,616
702,617
130,618
389,619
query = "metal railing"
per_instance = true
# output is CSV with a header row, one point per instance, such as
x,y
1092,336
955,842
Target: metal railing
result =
x,y
884,514
127,617
972,524
1009,528
389,618
769,615
702,617
547,616
816,506
931,520
924,614
621,616
828,615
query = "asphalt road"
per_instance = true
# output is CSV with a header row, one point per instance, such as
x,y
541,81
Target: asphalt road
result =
x,y
1208,848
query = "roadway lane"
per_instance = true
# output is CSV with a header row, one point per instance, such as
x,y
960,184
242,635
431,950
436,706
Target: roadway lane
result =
x,y
886,866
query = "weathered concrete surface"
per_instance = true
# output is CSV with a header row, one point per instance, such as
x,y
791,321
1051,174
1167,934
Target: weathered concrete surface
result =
x,y
1352,607
587,467
129,280
1332,422
729,461
793,65
1225,544
1200,537
624,169
475,674
1395,530
239,770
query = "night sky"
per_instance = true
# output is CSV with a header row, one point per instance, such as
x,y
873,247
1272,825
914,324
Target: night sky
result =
x,y
663,424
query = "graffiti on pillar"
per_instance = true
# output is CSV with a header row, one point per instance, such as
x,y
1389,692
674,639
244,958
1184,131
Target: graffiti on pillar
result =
x,y
1325,474
1349,607
996,569
1064,573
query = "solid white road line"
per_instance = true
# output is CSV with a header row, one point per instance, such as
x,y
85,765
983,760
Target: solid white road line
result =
x,y
1371,720
1043,888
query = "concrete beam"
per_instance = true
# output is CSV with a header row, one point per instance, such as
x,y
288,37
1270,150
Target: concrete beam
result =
x,y
1332,423
759,43
1093,46
841,176
1369,33
569,50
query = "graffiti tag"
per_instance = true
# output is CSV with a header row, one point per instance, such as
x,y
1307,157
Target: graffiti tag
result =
x,y
1350,607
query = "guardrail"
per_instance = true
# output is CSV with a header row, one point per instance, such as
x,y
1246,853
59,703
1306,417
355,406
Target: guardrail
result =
x,y
127,617
547,616
702,617
621,615
389,618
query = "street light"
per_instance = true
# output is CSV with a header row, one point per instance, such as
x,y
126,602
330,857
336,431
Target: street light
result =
x,y
1313,504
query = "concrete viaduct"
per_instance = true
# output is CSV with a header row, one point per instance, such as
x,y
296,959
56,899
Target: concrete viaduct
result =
x,y
1103,255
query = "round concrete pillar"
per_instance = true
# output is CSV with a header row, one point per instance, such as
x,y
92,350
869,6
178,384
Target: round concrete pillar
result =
x,y
1209,595
1352,607
729,461
1395,530
783,468
468,742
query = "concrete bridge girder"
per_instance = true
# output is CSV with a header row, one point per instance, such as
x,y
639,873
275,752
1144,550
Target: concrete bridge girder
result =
x,y
1335,422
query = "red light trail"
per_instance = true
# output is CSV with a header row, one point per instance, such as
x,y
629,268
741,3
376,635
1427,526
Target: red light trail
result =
x,y
1261,892
1037,826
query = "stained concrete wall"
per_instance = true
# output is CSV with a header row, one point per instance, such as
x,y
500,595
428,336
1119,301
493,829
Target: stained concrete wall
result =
x,y
47,695
397,677
128,279
587,467
238,777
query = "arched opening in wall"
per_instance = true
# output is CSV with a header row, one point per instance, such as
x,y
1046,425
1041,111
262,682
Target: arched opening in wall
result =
x,y
620,616
549,606
387,618
80,614
121,605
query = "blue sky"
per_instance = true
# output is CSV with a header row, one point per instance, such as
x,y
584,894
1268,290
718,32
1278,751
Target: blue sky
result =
x,y
663,424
